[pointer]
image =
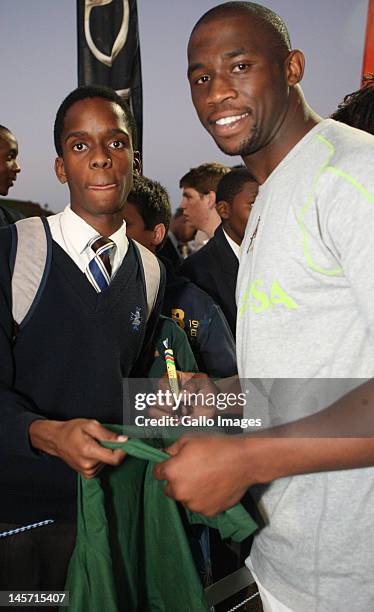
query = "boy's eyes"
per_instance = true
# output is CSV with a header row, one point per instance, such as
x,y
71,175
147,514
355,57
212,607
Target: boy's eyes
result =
x,y
114,144
117,144
80,146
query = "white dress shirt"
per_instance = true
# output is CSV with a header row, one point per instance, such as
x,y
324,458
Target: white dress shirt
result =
x,y
235,247
73,234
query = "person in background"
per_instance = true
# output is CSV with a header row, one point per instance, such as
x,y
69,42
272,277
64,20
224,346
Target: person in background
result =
x,y
199,187
357,108
147,214
9,170
176,246
214,268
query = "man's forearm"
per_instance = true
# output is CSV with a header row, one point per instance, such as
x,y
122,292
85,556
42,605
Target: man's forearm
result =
x,y
338,437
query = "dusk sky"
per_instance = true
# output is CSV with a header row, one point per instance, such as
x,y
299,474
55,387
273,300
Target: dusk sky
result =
x,y
38,59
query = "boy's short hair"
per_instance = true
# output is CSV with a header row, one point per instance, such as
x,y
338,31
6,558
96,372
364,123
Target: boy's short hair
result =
x,y
152,202
83,93
204,178
232,184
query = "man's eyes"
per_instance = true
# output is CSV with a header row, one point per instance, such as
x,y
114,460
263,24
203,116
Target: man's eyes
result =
x,y
240,67
203,79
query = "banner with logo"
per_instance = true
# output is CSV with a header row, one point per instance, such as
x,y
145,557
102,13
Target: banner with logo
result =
x,y
368,64
109,51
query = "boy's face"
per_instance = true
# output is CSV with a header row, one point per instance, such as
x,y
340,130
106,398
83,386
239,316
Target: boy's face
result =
x,y
236,214
241,208
9,167
135,228
97,160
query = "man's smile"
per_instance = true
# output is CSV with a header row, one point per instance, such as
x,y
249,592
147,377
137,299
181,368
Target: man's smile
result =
x,y
227,123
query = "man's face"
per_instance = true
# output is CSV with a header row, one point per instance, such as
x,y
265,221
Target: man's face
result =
x,y
9,167
97,158
238,88
196,207
135,228
240,209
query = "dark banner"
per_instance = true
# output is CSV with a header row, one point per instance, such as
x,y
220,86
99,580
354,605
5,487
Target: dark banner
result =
x,y
109,51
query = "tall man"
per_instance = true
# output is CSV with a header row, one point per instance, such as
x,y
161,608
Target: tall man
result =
x,y
305,293
62,376
9,169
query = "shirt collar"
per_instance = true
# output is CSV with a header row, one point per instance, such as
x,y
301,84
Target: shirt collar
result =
x,y
79,232
235,247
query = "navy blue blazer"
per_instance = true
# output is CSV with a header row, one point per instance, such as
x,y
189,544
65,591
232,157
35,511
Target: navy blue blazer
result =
x,y
214,268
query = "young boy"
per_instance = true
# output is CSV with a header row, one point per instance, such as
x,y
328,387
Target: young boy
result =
x,y
214,268
63,374
147,214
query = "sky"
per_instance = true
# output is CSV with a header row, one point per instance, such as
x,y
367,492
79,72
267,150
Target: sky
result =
x,y
38,66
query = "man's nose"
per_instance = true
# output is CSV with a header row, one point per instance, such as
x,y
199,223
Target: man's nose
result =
x,y
220,88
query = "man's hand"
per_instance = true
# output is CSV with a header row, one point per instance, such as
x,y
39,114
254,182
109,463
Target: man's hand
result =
x,y
196,383
76,442
206,474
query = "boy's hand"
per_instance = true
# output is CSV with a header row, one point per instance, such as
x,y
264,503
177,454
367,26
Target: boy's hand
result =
x,y
76,442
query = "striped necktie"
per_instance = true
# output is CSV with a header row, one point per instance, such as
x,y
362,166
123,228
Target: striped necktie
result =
x,y
99,270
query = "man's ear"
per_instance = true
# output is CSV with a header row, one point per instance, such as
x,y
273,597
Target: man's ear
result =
x,y
211,196
137,164
294,66
223,209
60,170
159,232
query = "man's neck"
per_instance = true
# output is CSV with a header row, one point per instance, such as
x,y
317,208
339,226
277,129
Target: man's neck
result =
x,y
212,222
300,119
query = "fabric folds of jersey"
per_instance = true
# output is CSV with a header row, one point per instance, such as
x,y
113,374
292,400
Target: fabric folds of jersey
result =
x,y
131,552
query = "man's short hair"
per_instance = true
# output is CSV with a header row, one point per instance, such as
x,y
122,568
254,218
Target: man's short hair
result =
x,y
357,108
83,93
151,201
273,23
232,184
204,178
5,129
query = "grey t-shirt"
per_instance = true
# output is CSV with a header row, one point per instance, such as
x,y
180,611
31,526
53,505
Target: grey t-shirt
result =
x,y
305,298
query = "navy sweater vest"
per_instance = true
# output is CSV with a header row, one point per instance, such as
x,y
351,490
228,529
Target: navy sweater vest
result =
x,y
67,362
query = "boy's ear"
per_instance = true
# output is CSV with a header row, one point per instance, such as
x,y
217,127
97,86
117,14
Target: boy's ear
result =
x,y
223,209
137,164
60,170
159,232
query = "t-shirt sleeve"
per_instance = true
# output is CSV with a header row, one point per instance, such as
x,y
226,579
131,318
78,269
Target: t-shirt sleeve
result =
x,y
348,231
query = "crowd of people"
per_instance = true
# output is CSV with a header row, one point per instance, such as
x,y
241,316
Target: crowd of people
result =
x,y
260,280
